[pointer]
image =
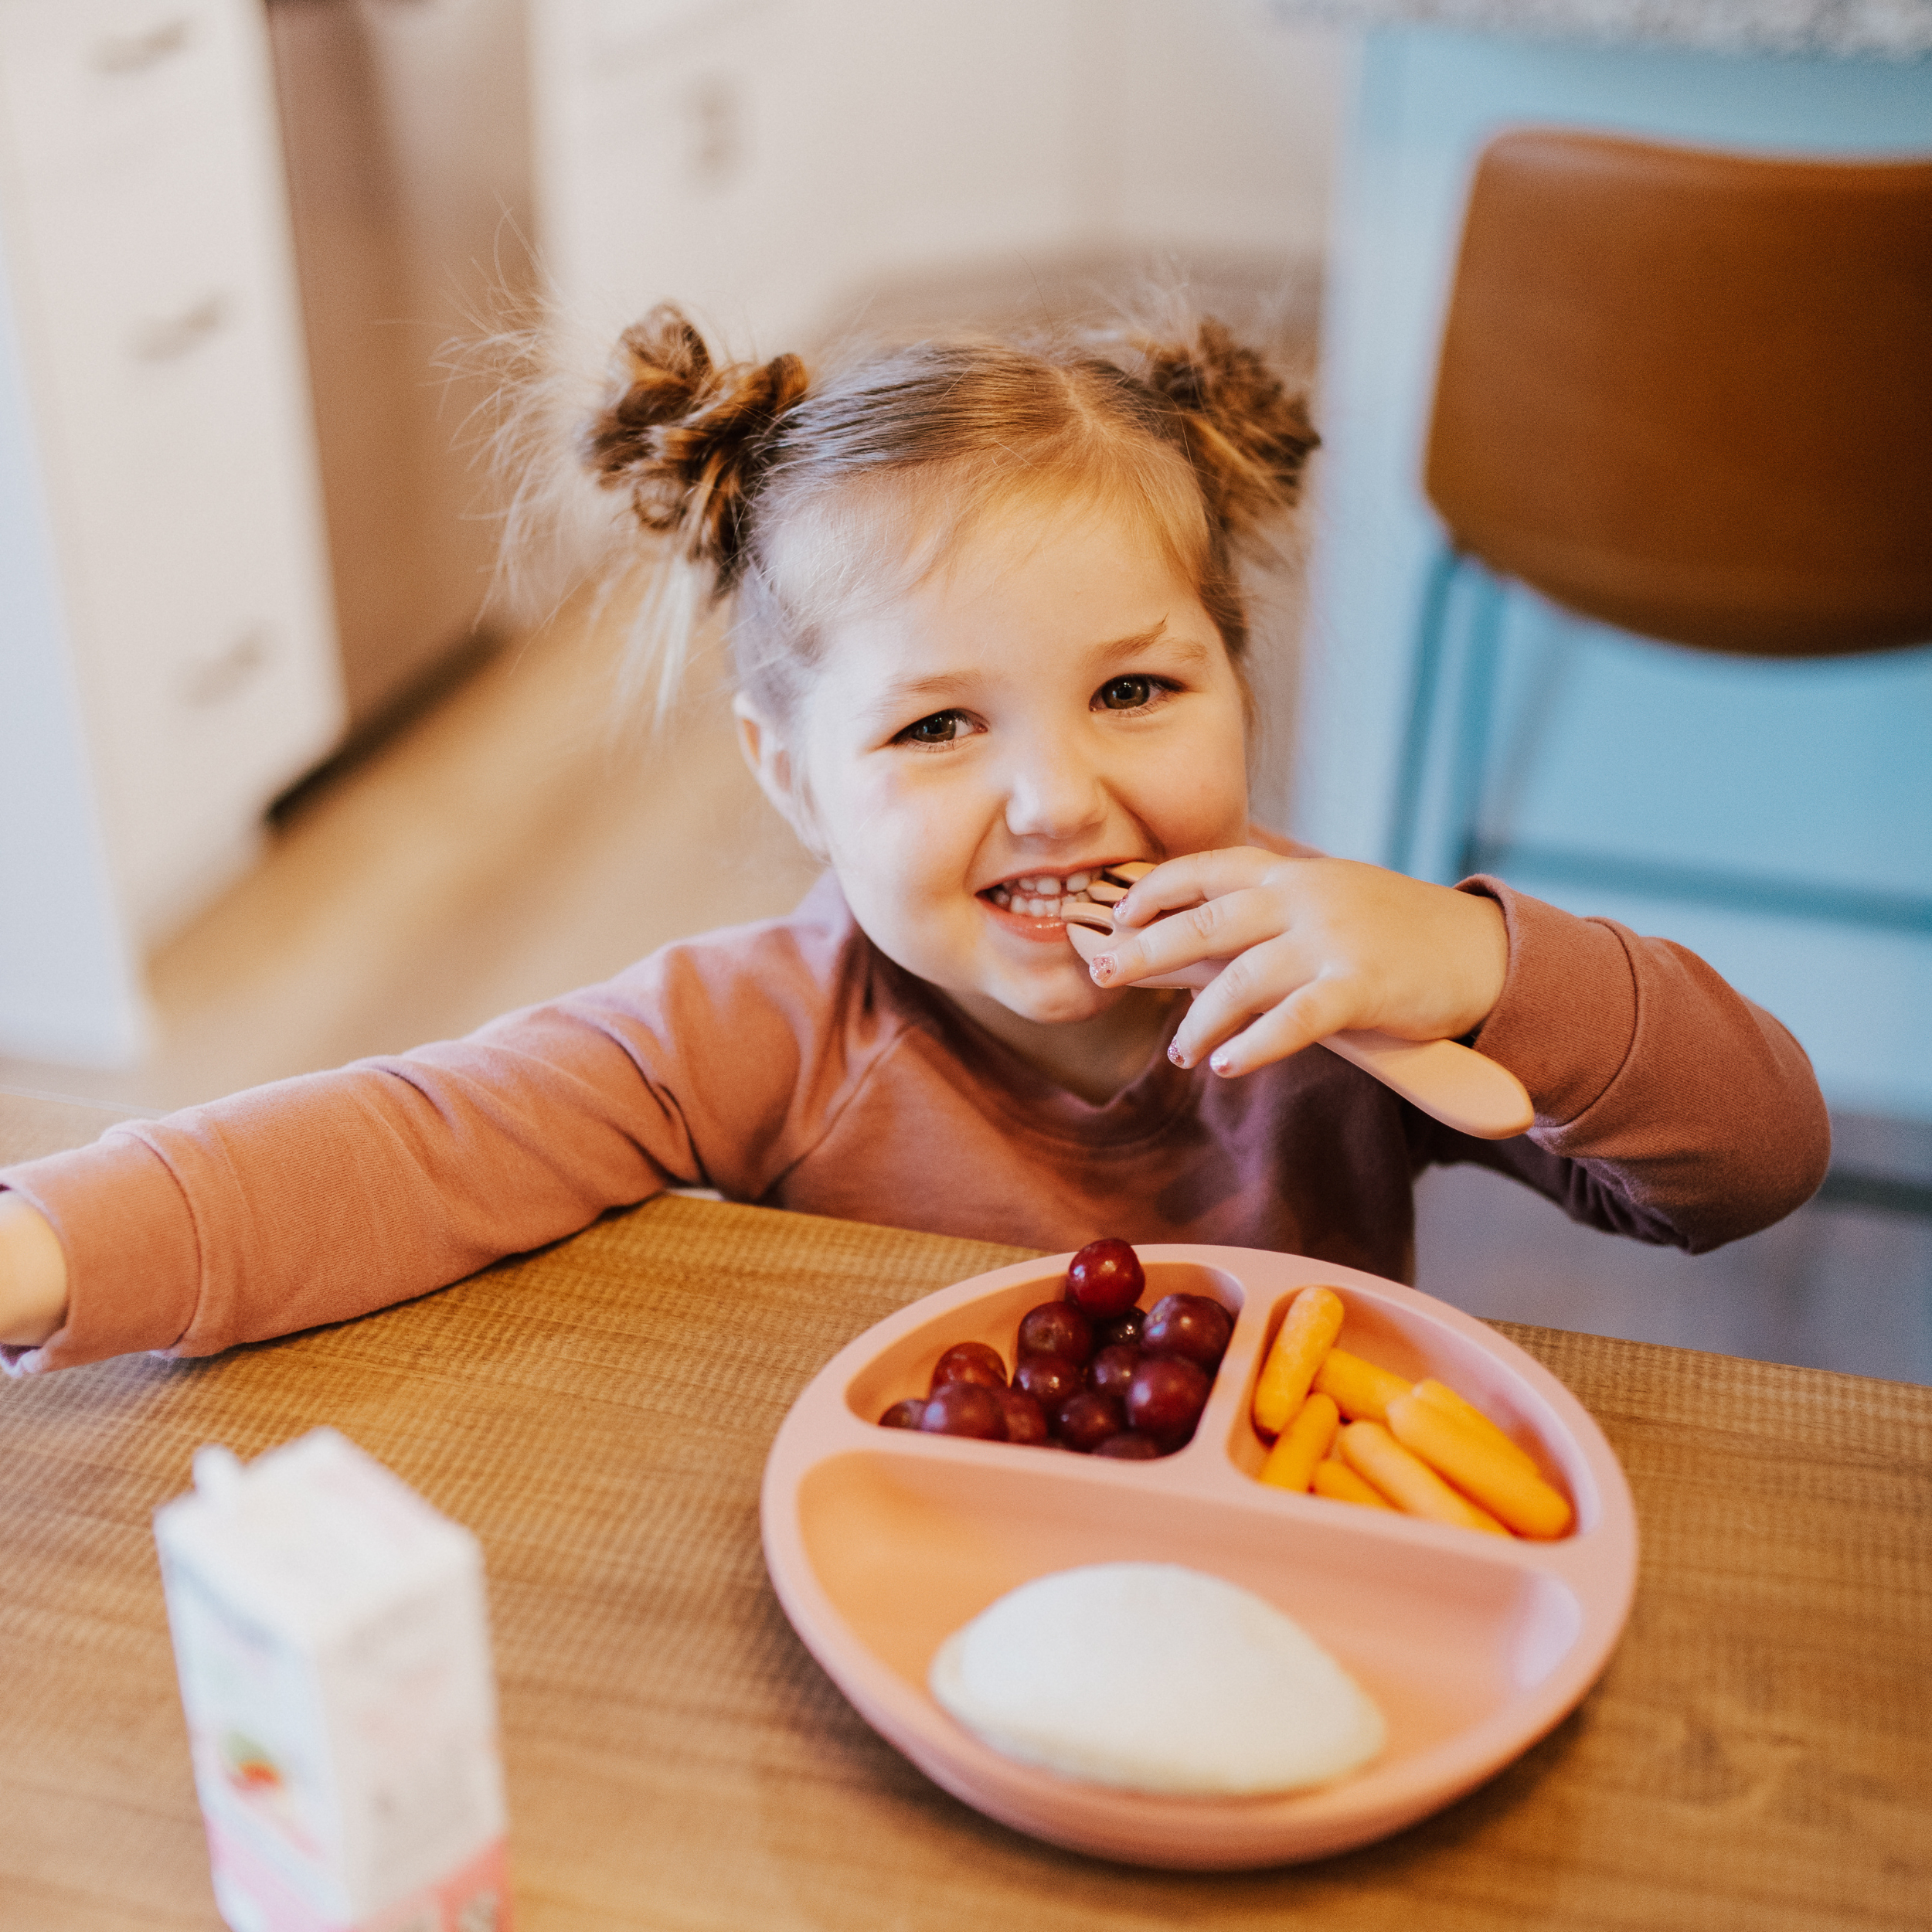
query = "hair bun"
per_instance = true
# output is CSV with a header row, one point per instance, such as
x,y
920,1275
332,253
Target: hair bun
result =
x,y
688,441
1250,438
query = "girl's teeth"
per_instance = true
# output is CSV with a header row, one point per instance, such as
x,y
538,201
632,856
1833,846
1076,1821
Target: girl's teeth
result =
x,y
1040,897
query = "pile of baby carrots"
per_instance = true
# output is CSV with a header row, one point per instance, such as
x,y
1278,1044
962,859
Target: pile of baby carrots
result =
x,y
1347,1430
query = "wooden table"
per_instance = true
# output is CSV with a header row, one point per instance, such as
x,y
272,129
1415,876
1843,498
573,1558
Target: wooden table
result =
x,y
1758,1754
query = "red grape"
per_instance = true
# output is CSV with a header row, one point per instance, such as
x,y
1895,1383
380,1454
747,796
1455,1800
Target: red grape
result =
x,y
1113,1368
1105,1278
903,1415
1129,1447
969,1361
1048,1378
1194,1326
1165,1399
1025,1420
1056,1328
966,1408
1086,1419
1125,1327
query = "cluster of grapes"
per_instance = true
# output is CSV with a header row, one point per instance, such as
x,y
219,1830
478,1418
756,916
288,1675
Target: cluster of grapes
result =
x,y
1094,1373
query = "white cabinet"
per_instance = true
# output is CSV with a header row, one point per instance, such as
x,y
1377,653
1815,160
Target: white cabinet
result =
x,y
167,655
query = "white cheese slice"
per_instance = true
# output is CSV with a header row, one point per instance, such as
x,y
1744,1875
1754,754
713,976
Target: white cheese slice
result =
x,y
1155,1678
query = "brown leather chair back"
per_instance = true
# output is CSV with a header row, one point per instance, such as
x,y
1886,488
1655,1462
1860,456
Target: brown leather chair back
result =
x,y
1690,393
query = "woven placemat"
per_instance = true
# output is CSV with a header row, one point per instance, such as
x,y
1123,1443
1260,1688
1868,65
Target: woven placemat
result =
x,y
599,1414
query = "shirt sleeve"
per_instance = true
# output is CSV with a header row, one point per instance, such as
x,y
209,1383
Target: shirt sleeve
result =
x,y
1668,1106
316,1199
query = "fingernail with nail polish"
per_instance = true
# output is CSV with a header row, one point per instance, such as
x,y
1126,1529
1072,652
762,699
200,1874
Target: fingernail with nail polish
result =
x,y
1221,1063
1175,1054
1101,966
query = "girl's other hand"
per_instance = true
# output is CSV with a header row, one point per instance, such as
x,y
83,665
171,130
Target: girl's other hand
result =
x,y
1283,951
33,1275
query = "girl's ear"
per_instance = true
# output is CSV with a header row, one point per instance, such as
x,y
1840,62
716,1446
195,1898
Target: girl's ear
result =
x,y
771,764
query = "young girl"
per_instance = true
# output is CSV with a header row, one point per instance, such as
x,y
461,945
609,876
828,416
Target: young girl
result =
x,y
989,640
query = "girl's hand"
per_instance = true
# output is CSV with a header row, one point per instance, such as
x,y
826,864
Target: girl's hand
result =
x,y
1285,950
33,1275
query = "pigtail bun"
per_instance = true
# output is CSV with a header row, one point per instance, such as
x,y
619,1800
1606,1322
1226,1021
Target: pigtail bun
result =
x,y
1248,437
688,441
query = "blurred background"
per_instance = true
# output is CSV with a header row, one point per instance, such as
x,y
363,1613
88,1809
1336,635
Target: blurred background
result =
x,y
287,777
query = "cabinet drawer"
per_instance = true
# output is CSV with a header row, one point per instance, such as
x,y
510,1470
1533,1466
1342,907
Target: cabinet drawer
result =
x,y
199,634
94,82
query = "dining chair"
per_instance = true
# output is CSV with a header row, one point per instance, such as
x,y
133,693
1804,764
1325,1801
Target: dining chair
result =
x,y
1688,394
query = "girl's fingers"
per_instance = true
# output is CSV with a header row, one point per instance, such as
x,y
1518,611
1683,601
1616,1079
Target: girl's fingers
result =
x,y
1091,944
1247,986
1310,1013
1187,882
1208,933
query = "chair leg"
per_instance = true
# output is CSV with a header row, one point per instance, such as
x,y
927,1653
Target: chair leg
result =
x,y
1469,778
1431,631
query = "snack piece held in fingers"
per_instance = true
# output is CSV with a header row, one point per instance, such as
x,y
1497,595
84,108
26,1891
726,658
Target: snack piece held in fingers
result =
x,y
1307,1334
1360,1389
1291,1462
1469,1458
1244,1701
1408,1481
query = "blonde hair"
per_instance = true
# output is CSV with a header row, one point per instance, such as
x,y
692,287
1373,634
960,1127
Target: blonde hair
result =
x,y
794,498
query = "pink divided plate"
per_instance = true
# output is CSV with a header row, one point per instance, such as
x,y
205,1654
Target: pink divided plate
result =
x,y
881,1542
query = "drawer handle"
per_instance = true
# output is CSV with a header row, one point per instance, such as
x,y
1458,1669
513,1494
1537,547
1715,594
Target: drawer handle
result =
x,y
137,53
213,680
168,338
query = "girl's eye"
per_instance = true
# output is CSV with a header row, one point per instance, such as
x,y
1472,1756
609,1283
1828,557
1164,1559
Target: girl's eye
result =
x,y
1127,694
940,729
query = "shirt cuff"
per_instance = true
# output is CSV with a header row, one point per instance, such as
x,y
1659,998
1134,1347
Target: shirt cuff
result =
x,y
134,1259
1567,1018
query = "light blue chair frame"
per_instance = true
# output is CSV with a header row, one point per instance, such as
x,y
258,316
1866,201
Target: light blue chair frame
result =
x,y
1473,847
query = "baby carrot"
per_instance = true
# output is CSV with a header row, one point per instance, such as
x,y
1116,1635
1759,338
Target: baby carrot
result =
x,y
1302,1444
1446,1399
1361,1391
1313,1321
1519,1497
1340,1484
1408,1482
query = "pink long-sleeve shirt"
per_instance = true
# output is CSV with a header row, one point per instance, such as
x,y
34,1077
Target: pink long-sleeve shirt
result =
x,y
791,1063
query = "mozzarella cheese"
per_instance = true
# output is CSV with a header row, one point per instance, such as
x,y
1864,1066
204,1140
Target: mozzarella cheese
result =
x,y
1151,1677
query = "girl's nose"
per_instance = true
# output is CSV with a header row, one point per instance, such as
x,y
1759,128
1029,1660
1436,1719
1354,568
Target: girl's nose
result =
x,y
1053,792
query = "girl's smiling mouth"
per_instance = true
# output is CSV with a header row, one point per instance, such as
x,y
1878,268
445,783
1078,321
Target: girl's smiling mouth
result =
x,y
1036,904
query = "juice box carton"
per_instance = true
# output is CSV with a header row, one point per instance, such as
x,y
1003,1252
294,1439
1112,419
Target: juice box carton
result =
x,y
331,1636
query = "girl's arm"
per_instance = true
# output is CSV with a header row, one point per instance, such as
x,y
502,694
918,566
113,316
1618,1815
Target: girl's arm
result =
x,y
1668,1106
33,1275
323,1198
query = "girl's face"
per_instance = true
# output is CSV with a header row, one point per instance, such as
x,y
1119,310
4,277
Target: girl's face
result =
x,y
1056,700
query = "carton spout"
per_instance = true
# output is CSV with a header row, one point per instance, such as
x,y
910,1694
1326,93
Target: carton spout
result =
x,y
218,1475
